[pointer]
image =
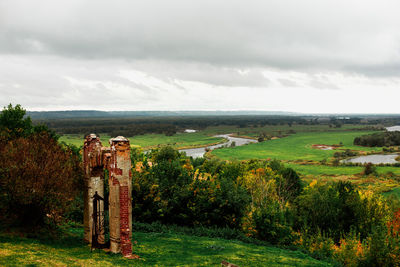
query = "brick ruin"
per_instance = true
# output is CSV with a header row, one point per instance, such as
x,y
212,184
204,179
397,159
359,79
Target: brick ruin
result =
x,y
115,159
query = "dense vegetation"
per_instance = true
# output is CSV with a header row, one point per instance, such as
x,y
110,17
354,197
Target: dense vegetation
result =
x,y
38,176
267,201
379,139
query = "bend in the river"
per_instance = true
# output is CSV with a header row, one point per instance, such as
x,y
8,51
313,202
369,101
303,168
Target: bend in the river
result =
x,y
199,152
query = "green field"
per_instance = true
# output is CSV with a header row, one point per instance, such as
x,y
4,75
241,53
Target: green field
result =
x,y
296,150
154,249
181,140
295,147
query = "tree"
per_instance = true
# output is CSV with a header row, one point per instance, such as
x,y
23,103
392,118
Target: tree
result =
x,y
13,124
38,180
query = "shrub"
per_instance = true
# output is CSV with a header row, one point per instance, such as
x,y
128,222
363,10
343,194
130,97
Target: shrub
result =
x,y
38,178
272,223
369,168
350,251
330,208
172,192
318,245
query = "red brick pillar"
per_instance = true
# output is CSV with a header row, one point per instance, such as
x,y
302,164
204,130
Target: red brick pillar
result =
x,y
125,200
120,182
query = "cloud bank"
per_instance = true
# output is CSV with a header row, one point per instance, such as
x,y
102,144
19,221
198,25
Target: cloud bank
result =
x,y
176,55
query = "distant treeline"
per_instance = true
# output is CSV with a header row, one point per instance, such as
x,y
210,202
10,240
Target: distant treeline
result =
x,y
378,139
152,113
171,125
133,126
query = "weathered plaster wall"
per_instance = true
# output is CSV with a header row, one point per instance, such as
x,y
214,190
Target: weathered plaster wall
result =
x,y
94,181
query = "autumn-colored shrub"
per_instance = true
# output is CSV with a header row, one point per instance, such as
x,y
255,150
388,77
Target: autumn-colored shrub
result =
x,y
350,251
38,179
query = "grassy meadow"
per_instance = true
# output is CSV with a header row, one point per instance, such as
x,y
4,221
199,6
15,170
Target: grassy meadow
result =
x,y
154,249
296,147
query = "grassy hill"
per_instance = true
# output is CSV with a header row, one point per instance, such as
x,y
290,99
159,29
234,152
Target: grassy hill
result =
x,y
155,249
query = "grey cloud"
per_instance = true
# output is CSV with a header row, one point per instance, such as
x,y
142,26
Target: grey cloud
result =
x,y
195,54
38,82
304,35
204,73
288,83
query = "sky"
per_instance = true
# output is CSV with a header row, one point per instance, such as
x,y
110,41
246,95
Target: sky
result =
x,y
311,56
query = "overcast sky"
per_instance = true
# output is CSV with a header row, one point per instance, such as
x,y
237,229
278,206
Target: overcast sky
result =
x,y
284,55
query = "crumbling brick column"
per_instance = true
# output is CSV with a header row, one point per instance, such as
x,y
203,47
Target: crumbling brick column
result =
x,y
94,181
120,205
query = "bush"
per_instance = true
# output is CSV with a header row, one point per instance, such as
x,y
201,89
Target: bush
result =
x,y
330,208
38,178
271,223
172,192
369,168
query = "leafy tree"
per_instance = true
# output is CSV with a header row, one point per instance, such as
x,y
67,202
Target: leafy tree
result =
x,y
336,208
38,179
288,182
13,124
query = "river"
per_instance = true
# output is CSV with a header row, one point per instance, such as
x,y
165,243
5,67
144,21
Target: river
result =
x,y
199,152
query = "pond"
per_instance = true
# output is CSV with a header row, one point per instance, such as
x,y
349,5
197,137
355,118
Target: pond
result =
x,y
374,159
199,152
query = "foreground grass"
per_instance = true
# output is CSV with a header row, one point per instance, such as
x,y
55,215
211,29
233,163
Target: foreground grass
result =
x,y
146,141
155,249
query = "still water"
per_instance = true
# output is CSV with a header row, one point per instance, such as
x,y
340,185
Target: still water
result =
x,y
375,159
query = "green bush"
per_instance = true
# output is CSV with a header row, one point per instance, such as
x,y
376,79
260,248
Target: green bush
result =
x,y
369,168
172,192
273,223
330,208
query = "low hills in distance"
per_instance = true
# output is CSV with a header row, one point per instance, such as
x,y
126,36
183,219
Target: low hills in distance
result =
x,y
155,113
